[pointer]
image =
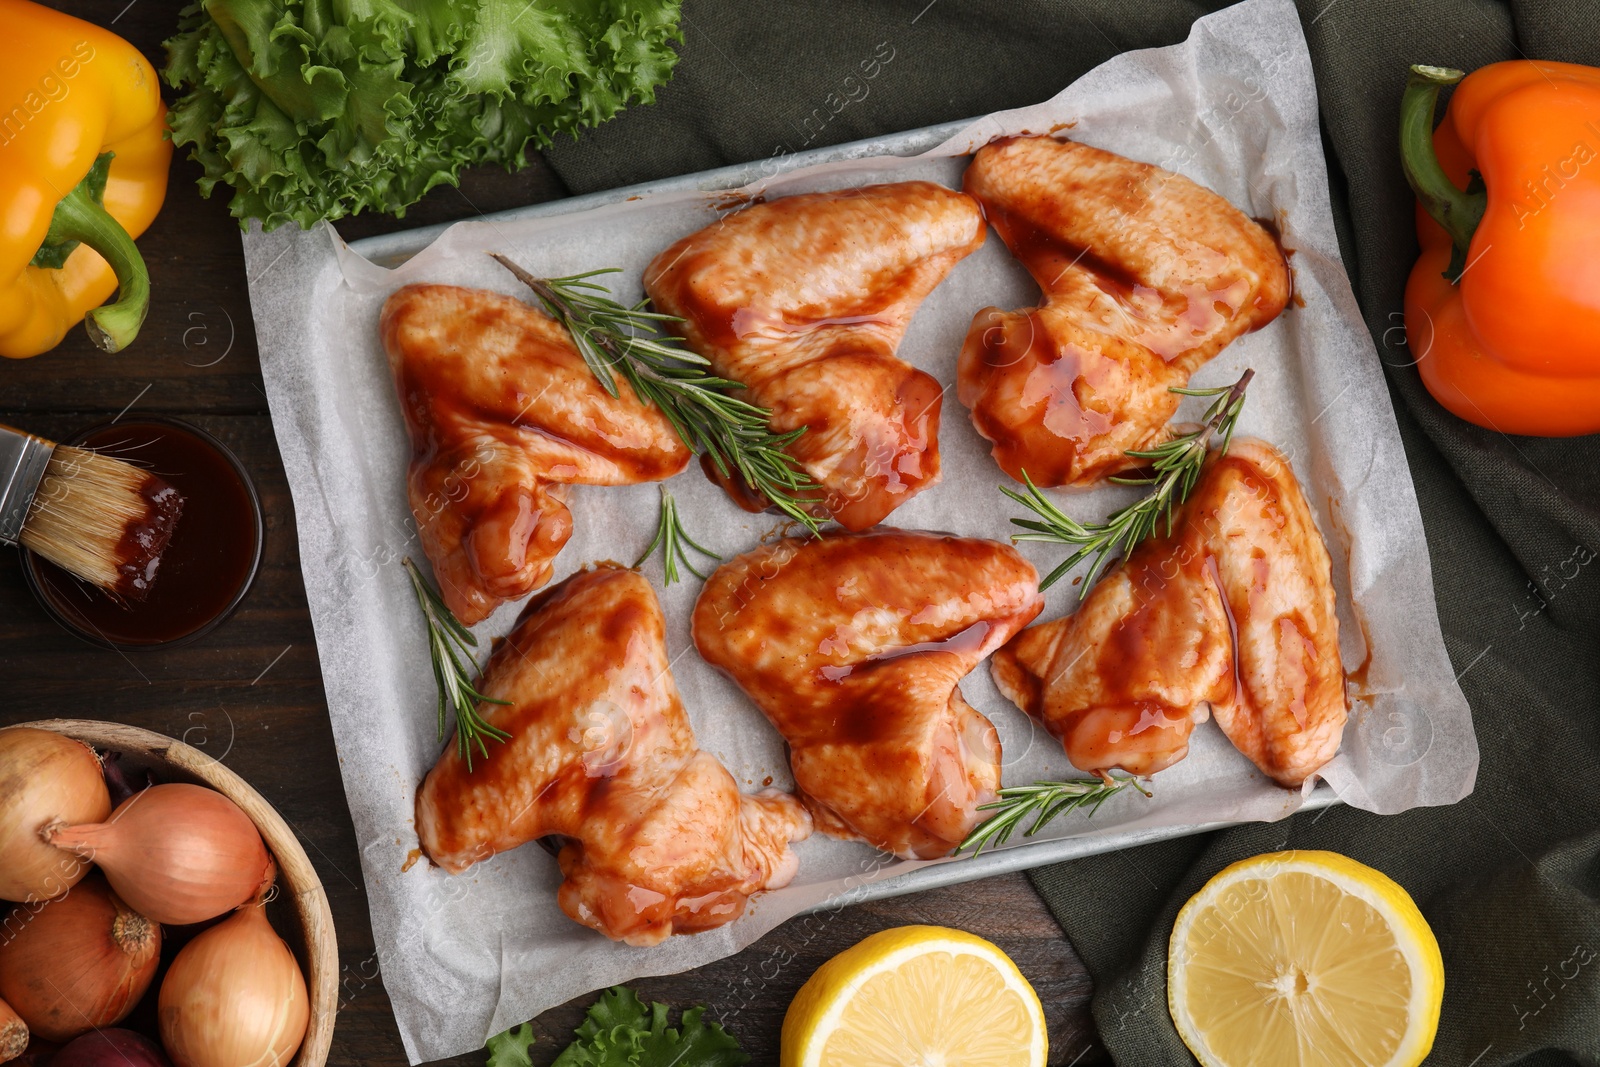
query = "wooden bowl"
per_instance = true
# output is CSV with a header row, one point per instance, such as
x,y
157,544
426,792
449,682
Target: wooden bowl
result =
x,y
299,886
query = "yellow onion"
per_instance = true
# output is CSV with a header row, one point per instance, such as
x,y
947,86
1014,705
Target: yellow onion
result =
x,y
77,963
178,853
45,779
234,997
13,1034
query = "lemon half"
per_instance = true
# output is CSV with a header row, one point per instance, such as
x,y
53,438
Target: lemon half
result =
x,y
916,996
1304,959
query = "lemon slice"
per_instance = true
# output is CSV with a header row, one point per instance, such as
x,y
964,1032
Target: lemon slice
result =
x,y
916,996
1304,959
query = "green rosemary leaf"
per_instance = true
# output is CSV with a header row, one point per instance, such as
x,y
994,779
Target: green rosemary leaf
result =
x,y
1042,801
1175,467
673,541
450,647
614,338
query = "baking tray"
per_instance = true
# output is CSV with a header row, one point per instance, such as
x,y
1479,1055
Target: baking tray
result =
x,y
390,250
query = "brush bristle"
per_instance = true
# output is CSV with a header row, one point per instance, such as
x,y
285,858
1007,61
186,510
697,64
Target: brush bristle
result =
x,y
102,519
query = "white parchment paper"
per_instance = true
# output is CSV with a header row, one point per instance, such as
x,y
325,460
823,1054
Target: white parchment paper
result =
x,y
1234,108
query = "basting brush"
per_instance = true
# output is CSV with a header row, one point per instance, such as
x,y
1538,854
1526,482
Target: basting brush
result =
x,y
100,518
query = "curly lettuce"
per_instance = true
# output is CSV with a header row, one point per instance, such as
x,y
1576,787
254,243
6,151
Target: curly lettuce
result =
x,y
316,109
620,1031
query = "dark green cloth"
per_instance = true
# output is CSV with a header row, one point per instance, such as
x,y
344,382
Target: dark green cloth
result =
x,y
1509,878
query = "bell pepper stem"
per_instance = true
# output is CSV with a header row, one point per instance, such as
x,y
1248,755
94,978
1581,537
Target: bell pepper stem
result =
x,y
1459,212
79,217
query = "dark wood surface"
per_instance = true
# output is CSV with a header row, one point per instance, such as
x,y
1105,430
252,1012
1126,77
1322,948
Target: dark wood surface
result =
x,y
251,692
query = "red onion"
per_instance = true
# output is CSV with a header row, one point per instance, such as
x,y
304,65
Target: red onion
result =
x,y
178,853
112,1048
39,1054
120,786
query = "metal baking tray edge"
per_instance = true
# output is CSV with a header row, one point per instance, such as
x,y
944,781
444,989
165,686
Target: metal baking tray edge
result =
x,y
390,250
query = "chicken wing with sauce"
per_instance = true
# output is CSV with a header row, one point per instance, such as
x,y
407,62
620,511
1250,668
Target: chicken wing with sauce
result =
x,y
1233,612
504,415
805,300
854,646
658,838
1146,276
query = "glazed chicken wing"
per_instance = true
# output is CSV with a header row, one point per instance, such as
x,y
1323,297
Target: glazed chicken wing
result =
x,y
1146,276
504,415
1232,612
658,838
854,645
804,300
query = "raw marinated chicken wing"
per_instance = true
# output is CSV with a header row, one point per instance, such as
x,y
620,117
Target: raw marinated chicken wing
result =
x,y
854,645
503,416
1233,612
658,838
1146,276
804,300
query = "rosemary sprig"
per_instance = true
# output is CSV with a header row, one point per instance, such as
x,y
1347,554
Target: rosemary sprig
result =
x,y
615,338
1044,801
1174,468
450,643
671,538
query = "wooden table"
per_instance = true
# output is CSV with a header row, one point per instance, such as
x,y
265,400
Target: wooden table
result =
x,y
251,692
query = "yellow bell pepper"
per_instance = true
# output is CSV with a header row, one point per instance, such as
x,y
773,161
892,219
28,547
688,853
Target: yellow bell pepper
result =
x,y
83,158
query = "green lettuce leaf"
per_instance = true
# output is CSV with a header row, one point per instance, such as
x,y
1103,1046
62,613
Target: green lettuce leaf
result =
x,y
620,1031
316,109
511,1049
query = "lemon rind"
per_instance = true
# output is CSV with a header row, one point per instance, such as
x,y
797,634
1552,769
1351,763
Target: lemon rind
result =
x,y
828,1015
1420,949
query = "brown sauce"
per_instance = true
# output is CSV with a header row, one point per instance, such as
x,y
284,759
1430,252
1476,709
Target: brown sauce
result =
x,y
735,200
207,566
1047,255
1197,312
1238,694
1054,423
733,483
968,640
1275,232
1357,686
752,322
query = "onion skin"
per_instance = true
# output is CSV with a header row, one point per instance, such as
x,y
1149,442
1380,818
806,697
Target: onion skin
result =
x,y
45,779
234,997
80,962
13,1034
178,853
111,1048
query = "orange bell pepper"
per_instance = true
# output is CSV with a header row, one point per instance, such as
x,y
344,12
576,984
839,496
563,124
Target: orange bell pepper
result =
x,y
1503,308
83,169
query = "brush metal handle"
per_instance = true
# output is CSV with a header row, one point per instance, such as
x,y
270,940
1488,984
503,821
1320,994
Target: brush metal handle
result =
x,y
23,461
